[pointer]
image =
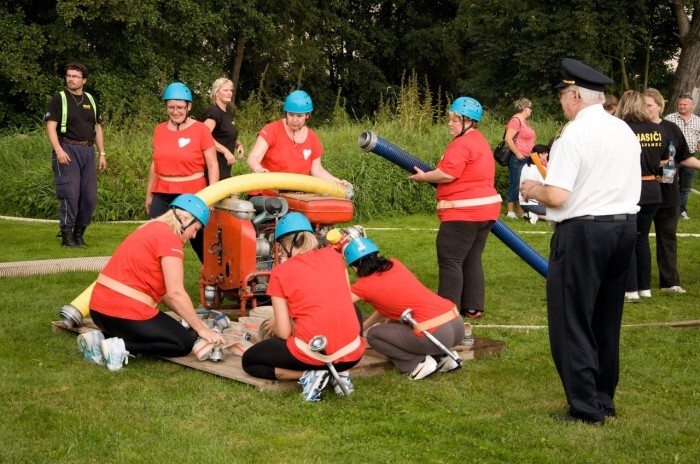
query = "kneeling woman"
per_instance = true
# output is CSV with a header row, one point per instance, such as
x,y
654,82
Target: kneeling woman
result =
x,y
310,296
145,269
391,288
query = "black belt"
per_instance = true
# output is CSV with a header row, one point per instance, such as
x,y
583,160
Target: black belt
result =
x,y
608,218
82,143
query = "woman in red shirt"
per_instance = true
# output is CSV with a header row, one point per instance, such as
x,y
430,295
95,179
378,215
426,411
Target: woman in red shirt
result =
x,y
391,288
182,148
147,268
310,296
289,145
468,206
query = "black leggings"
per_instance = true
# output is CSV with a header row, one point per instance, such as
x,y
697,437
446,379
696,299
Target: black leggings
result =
x,y
261,359
159,336
160,205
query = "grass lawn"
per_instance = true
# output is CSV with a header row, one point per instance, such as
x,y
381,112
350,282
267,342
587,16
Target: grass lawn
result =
x,y
58,408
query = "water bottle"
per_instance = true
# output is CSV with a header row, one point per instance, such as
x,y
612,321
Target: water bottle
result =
x,y
669,171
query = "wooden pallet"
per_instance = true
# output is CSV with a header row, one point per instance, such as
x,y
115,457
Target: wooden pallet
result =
x,y
372,363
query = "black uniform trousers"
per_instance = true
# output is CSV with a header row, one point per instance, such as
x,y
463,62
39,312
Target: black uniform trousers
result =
x,y
665,225
588,266
76,185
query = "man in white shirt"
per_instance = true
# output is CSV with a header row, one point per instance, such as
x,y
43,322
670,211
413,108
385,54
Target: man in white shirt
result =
x,y
591,191
690,126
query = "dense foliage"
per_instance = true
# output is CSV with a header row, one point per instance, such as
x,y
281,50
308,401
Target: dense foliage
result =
x,y
351,55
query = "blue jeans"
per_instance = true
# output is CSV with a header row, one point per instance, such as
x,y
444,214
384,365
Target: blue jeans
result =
x,y
514,167
685,182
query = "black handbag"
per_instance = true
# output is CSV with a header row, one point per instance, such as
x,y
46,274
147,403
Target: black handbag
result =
x,y
502,153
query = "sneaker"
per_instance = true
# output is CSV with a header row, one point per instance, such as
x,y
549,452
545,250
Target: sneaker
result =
x,y
534,218
114,353
525,216
684,215
89,344
674,289
645,293
474,314
424,369
447,364
468,339
511,215
345,379
312,383
632,296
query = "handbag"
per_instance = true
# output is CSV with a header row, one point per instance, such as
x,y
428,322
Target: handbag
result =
x,y
502,153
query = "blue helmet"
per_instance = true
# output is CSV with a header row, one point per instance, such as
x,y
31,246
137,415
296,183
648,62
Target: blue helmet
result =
x,y
358,249
177,91
193,205
467,106
298,102
290,223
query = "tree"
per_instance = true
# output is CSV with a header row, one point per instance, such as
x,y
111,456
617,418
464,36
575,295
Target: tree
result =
x,y
687,14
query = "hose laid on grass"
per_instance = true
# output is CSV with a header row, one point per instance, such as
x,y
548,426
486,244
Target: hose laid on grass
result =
x,y
52,266
369,141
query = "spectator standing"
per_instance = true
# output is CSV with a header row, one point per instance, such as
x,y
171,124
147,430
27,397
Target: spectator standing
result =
x,y
520,138
689,124
610,105
666,218
633,110
534,210
219,119
591,190
74,126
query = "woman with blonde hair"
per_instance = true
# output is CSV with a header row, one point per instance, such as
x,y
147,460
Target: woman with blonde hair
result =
x,y
219,119
310,294
632,109
668,214
520,138
146,269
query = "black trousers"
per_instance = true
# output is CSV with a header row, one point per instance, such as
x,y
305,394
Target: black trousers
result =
x,y
665,225
76,186
460,245
639,275
588,266
159,336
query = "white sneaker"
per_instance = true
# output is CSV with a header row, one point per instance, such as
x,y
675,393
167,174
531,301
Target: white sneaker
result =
x,y
424,369
534,218
674,289
631,295
645,293
345,379
684,215
114,352
511,215
447,364
313,383
89,344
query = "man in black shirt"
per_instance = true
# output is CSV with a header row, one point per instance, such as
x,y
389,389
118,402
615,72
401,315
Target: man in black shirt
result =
x,y
73,125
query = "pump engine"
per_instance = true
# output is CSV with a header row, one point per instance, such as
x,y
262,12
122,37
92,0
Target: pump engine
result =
x,y
240,249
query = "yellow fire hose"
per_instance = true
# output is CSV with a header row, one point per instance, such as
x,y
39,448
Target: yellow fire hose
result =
x,y
73,313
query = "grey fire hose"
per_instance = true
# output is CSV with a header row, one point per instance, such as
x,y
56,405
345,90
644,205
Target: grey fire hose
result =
x,y
52,266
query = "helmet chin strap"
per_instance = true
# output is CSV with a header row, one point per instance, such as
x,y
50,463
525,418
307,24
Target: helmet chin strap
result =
x,y
288,252
465,128
183,227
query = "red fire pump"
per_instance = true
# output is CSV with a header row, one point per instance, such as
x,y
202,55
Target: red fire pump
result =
x,y
239,243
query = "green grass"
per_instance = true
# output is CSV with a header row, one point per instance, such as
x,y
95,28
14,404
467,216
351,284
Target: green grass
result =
x,y
57,408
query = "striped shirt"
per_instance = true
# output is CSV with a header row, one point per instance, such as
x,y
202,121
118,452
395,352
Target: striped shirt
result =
x,y
690,129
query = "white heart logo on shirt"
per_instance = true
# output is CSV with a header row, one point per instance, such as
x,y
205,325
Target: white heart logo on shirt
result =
x,y
307,153
183,141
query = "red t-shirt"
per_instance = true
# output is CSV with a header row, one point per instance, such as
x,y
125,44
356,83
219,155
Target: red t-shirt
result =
x,y
283,155
316,288
469,159
136,263
397,289
180,153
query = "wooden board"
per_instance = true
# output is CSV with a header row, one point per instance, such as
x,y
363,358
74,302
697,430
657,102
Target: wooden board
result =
x,y
372,363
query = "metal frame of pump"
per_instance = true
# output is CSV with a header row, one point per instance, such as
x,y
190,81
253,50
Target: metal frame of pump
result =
x,y
240,249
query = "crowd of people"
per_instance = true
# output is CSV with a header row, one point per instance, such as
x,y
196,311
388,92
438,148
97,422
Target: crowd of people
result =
x,y
599,183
